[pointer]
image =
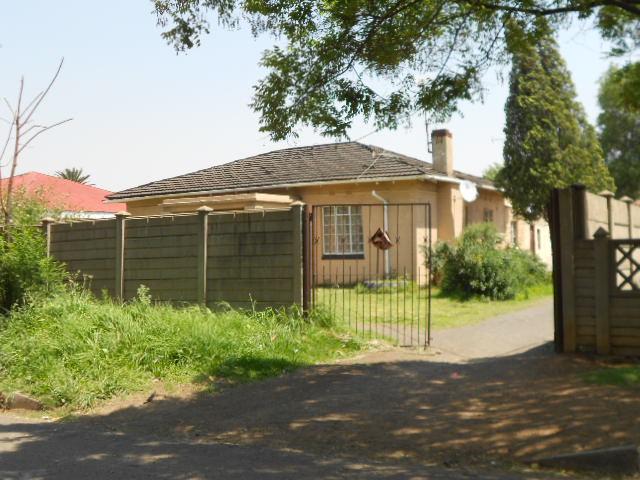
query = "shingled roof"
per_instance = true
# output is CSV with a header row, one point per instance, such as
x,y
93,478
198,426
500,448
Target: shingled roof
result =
x,y
293,166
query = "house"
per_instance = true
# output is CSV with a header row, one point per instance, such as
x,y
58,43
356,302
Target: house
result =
x,y
71,199
348,184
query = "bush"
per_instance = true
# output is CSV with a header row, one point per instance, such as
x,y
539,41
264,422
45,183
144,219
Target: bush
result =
x,y
476,265
25,268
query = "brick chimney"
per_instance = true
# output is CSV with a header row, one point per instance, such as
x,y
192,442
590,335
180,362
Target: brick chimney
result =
x,y
442,146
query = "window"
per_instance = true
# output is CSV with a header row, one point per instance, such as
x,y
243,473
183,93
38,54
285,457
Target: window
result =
x,y
539,238
342,231
488,215
514,233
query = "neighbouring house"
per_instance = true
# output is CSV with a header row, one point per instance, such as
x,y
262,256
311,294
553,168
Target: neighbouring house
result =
x,y
67,198
347,184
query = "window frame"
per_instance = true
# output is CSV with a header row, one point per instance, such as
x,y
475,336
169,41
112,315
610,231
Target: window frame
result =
x,y
351,226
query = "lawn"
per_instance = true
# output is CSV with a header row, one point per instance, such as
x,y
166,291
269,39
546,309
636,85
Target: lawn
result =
x,y
409,305
621,376
74,350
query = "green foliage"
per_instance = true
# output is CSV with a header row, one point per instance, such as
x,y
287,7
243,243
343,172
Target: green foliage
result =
x,y
476,265
74,174
72,349
341,59
549,142
29,208
619,126
25,268
621,376
492,171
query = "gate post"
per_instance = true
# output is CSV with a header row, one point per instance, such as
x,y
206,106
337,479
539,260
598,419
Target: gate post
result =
x,y
297,227
306,259
121,218
567,272
202,244
602,282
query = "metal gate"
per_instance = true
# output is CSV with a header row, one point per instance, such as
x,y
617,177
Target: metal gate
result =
x,y
369,265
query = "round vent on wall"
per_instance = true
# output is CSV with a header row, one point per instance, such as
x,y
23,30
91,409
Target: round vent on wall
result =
x,y
469,191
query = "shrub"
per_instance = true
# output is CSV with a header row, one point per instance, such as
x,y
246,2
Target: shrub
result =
x,y
477,265
25,268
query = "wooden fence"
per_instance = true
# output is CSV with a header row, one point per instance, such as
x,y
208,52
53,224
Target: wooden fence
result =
x,y
243,258
598,278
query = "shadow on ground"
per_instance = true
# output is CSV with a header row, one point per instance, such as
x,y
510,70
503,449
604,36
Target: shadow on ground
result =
x,y
463,415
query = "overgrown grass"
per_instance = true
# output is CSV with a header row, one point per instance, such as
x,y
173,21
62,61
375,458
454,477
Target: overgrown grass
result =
x,y
402,302
74,350
621,376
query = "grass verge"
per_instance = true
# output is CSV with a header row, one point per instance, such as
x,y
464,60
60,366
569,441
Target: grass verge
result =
x,y
74,350
620,376
407,305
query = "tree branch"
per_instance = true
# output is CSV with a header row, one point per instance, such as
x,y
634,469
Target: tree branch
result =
x,y
44,129
28,113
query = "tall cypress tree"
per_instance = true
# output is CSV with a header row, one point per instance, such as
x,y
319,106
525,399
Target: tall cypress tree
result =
x,y
549,141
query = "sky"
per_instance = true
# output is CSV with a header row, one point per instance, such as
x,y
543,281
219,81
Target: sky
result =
x,y
141,112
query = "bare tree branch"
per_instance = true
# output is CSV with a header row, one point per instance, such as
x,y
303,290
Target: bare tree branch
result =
x,y
22,117
44,129
28,113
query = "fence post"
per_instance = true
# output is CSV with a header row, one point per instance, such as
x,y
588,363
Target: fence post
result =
x,y
629,202
121,218
609,196
296,229
567,241
203,236
46,228
602,281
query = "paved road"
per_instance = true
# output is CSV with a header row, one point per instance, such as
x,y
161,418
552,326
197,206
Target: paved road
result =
x,y
505,334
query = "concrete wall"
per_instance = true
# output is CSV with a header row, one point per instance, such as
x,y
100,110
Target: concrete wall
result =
x,y
255,258
89,250
241,259
623,214
162,254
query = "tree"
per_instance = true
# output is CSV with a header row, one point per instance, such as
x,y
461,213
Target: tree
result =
x,y
342,59
492,171
74,174
549,142
23,130
619,127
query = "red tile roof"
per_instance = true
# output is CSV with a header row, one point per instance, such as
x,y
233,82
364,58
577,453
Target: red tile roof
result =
x,y
65,194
